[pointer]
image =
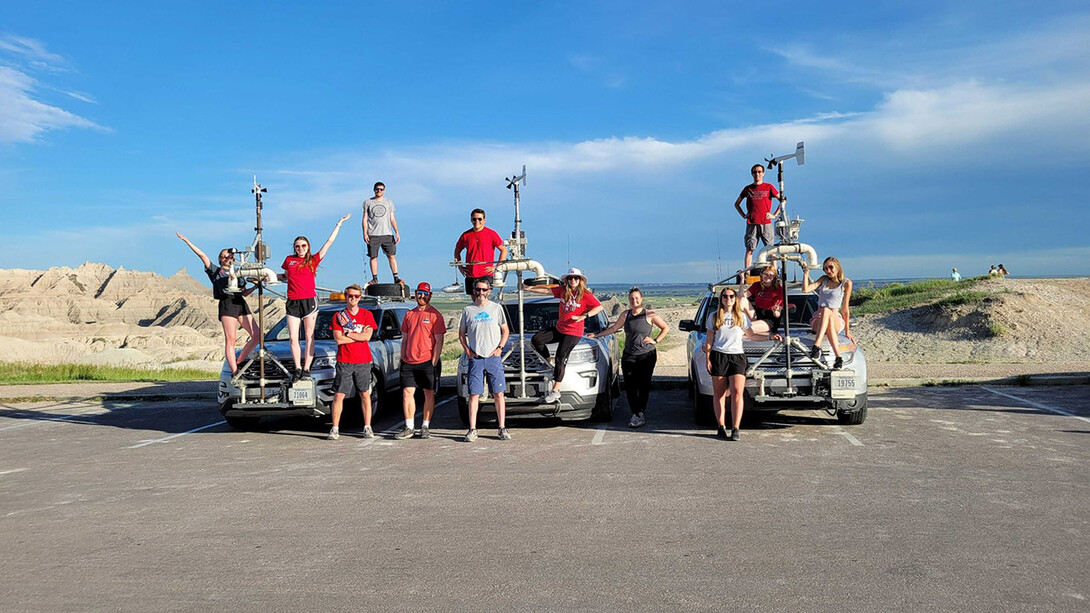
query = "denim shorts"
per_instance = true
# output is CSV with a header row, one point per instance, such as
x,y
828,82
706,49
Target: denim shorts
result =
x,y
481,368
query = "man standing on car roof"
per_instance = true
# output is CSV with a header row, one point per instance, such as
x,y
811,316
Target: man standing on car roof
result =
x,y
480,244
352,329
758,214
483,332
380,231
421,345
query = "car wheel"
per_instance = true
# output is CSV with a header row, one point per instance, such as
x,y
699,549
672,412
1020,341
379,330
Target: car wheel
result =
x,y
376,392
852,412
387,289
691,383
703,414
238,422
603,406
463,410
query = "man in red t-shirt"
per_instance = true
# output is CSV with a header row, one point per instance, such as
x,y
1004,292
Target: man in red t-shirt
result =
x,y
352,329
758,215
421,344
480,244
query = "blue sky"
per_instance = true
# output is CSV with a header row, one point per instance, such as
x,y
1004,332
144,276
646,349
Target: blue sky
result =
x,y
937,134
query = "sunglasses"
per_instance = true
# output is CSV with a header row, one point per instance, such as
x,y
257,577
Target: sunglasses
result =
x,y
380,189
353,296
476,218
481,289
423,294
728,297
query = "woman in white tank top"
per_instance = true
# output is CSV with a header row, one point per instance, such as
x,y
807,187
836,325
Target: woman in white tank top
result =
x,y
834,293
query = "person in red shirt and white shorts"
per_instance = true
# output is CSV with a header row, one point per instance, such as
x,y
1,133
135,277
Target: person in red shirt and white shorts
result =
x,y
421,345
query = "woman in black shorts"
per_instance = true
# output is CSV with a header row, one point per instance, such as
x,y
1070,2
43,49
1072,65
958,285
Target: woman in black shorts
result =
x,y
233,310
726,359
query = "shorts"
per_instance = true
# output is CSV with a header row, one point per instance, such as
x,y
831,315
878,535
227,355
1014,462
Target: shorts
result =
x,y
302,307
471,280
758,231
837,321
480,368
420,375
234,306
387,243
728,364
352,378
768,317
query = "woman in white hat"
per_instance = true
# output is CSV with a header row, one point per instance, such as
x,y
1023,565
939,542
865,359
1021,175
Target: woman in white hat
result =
x,y
576,305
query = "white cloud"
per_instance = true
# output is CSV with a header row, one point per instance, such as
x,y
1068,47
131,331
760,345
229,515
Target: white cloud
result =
x,y
31,52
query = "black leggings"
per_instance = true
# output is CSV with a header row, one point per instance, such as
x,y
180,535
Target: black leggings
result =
x,y
565,343
637,371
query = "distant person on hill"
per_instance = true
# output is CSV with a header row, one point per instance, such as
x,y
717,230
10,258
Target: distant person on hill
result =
x,y
725,359
1002,271
956,276
576,305
380,231
834,292
640,352
762,302
233,310
758,214
300,272
480,244
993,271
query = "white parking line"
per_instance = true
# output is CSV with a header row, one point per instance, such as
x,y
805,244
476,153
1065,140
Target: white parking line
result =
x,y
1037,405
167,438
600,434
388,432
95,411
847,435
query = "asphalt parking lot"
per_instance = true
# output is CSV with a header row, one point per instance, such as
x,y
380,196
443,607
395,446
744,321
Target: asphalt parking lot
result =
x,y
963,498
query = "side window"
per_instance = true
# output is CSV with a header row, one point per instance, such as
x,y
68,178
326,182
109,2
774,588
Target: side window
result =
x,y
702,313
389,323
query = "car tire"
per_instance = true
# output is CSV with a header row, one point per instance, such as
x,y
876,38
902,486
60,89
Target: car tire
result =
x,y
463,410
691,384
852,412
238,422
703,414
389,290
377,392
603,406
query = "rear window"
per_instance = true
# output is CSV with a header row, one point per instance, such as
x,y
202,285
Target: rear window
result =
x,y
279,332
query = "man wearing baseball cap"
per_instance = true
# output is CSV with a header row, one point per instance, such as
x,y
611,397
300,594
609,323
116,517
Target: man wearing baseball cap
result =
x,y
421,344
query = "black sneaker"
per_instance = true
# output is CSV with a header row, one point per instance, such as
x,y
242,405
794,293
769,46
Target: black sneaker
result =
x,y
403,433
721,432
815,353
734,434
295,376
398,281
838,363
305,374
425,432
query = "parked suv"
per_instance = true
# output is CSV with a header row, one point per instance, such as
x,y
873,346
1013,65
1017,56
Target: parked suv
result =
x,y
241,400
842,392
591,382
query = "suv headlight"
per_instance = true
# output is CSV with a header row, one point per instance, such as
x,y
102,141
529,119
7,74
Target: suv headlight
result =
x,y
319,363
584,353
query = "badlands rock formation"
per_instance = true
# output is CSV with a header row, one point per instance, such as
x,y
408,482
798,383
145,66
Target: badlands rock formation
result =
x,y
98,314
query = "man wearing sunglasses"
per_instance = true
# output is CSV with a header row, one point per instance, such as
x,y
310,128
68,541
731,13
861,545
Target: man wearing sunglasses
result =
x,y
758,214
352,329
380,231
480,244
483,332
421,344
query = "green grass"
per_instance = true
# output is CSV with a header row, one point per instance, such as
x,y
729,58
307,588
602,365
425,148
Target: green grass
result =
x,y
897,296
997,329
23,372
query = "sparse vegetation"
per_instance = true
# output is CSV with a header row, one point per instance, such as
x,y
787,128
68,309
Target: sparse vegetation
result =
x,y
25,372
997,329
897,296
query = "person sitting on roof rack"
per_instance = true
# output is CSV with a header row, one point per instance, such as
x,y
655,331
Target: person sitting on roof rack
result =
x,y
763,301
833,315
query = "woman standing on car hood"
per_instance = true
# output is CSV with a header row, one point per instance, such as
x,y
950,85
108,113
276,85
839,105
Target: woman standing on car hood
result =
x,y
300,271
576,305
834,291
640,353
726,359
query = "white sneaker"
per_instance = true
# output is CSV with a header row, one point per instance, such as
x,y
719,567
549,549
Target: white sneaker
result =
x,y
552,396
636,421
504,434
333,435
470,436
368,432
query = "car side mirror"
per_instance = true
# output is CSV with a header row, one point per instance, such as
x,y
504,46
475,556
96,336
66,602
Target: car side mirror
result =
x,y
686,325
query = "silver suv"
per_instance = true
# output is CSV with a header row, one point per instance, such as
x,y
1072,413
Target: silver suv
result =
x,y
245,399
591,381
770,385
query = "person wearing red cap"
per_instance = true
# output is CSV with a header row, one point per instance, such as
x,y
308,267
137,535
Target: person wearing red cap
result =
x,y
421,344
576,305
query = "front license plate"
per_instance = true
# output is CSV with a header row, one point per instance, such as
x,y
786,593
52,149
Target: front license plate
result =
x,y
843,384
302,395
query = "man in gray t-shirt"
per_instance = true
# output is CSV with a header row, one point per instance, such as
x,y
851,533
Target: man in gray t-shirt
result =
x,y
380,231
483,332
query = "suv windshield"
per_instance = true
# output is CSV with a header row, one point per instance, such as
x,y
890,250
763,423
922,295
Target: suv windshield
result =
x,y
322,332
543,315
801,308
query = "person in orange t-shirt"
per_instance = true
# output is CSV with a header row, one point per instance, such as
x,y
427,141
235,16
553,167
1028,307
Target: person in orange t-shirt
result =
x,y
421,344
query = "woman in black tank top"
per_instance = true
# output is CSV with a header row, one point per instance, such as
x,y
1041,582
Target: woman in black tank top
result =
x,y
640,355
